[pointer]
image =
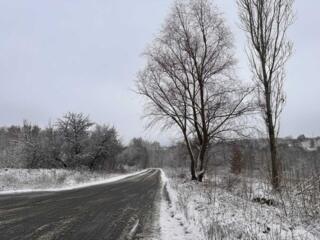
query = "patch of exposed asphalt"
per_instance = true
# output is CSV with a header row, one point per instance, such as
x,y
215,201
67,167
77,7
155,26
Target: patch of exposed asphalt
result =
x,y
123,209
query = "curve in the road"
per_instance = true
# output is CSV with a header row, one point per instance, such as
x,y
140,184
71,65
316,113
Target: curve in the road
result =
x,y
108,211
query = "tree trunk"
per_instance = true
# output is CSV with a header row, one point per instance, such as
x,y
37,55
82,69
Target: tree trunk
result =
x,y
193,171
192,164
202,162
275,178
200,176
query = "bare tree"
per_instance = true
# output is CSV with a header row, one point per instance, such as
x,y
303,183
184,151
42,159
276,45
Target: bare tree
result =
x,y
189,79
266,24
74,128
105,145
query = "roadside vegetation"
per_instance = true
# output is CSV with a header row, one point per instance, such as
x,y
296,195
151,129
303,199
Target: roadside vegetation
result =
x,y
229,206
70,152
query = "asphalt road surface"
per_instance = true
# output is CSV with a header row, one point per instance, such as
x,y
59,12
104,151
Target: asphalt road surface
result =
x,y
119,210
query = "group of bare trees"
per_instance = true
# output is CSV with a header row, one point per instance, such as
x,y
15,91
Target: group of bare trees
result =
x,y
140,153
73,142
190,83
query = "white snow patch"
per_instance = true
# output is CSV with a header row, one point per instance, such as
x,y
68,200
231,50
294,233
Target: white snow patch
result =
x,y
217,213
69,184
310,144
173,226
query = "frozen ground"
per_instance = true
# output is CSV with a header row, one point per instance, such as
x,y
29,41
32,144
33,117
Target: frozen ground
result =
x,y
28,180
173,225
223,208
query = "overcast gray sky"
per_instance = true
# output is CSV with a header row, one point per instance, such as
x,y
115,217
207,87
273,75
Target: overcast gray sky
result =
x,y
83,56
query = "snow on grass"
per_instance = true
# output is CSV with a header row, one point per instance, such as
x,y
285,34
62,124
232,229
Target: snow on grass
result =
x,y
222,209
310,144
173,225
38,180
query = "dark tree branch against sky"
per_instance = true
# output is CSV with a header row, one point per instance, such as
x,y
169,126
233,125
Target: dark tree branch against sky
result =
x,y
83,56
189,81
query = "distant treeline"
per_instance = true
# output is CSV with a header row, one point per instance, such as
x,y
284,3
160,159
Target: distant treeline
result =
x,y
73,141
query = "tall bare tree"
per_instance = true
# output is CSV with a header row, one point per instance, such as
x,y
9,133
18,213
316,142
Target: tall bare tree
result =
x,y
266,24
189,79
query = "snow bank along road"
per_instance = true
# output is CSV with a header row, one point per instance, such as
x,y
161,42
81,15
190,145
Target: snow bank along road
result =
x,y
117,210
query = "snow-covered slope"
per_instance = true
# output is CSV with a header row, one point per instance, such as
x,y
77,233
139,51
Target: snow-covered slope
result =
x,y
30,180
217,210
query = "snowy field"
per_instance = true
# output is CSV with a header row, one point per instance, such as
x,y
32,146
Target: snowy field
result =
x,y
26,180
230,207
